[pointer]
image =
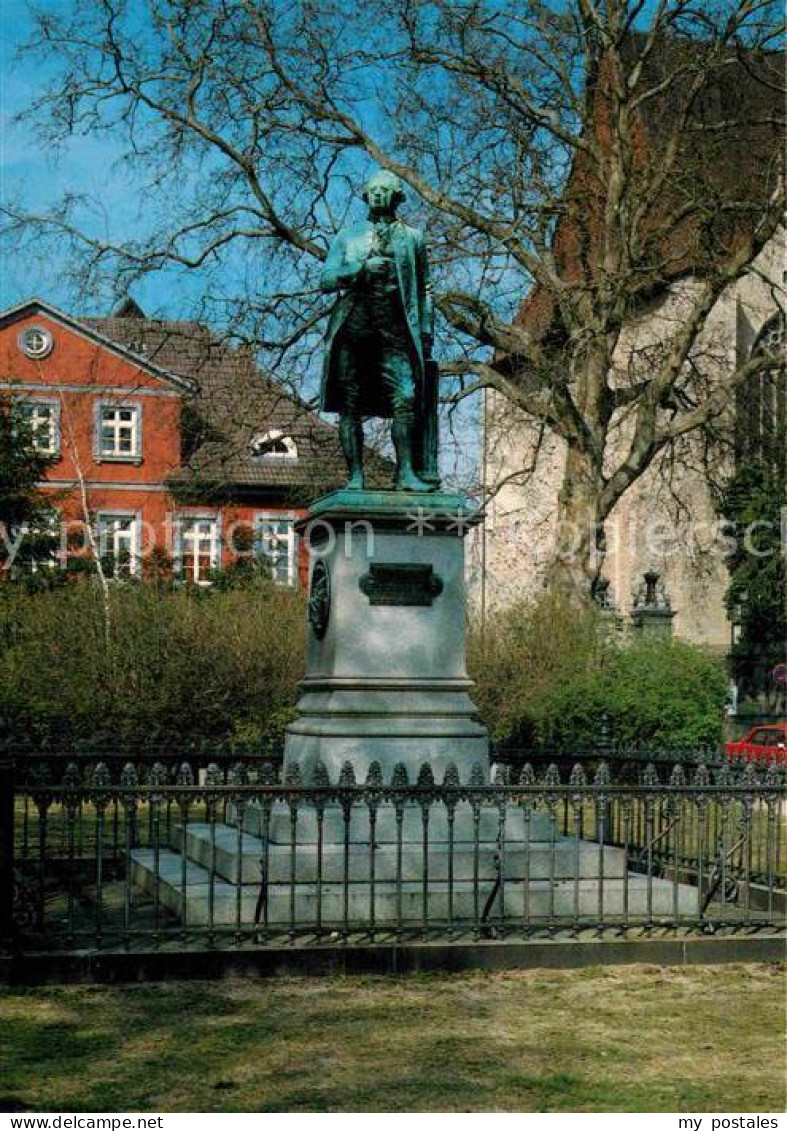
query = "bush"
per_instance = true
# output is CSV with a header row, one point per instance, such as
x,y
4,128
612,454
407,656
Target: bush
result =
x,y
189,666
176,666
548,674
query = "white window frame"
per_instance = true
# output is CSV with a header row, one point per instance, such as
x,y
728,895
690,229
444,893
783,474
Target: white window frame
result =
x,y
49,524
181,538
270,437
263,518
29,405
135,455
135,550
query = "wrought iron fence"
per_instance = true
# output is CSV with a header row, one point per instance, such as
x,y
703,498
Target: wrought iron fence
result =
x,y
118,858
42,765
48,764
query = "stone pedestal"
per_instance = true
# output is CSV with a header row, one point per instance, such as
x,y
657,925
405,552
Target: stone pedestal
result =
x,y
652,615
385,673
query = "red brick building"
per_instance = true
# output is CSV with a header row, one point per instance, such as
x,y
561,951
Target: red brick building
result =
x,y
170,449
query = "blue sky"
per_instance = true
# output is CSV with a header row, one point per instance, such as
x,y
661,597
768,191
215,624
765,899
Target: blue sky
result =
x,y
35,176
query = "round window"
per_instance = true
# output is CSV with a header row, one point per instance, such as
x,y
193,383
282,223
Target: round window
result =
x,y
36,342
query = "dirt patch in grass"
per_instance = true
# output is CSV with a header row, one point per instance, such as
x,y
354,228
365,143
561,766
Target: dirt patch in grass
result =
x,y
615,1039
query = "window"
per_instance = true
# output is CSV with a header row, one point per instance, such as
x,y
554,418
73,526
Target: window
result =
x,y
761,406
767,737
770,339
118,432
118,544
197,550
273,445
43,420
275,547
44,540
38,549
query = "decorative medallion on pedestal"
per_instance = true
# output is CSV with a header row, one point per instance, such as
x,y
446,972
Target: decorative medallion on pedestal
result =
x,y
319,599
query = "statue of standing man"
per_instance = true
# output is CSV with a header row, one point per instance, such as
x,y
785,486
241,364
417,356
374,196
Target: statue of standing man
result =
x,y
379,339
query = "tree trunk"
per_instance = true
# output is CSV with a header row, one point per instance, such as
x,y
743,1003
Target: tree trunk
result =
x,y
580,544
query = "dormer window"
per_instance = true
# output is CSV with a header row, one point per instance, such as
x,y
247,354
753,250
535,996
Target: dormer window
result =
x,y
273,445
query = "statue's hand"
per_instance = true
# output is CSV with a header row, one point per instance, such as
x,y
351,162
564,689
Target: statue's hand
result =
x,y
376,265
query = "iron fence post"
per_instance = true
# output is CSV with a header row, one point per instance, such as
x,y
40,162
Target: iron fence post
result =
x,y
6,851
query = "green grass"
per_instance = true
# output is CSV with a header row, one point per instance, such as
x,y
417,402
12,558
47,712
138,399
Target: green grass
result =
x,y
616,1039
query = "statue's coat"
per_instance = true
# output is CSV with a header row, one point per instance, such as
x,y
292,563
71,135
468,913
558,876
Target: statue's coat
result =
x,y
346,258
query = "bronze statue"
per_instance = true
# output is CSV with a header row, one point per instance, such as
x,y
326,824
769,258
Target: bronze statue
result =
x,y
379,339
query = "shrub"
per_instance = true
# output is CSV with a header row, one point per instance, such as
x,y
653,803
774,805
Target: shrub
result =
x,y
550,674
176,666
199,666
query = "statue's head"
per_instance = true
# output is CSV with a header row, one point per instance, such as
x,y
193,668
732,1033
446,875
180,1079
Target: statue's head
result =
x,y
383,191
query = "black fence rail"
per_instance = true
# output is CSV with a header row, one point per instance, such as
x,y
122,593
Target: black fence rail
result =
x,y
34,770
37,764
626,763
629,759
112,858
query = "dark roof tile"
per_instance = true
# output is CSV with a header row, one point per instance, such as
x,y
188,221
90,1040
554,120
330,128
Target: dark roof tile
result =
x,y
236,403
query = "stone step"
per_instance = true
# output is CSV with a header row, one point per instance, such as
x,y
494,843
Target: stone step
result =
x,y
561,901
167,876
538,828
564,859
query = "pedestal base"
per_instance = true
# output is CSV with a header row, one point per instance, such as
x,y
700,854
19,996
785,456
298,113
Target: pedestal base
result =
x,y
386,682
416,880
367,720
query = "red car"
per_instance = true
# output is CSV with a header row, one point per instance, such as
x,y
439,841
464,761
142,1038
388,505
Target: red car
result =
x,y
761,744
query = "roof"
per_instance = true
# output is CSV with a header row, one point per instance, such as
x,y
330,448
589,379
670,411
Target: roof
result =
x,y
236,402
729,154
92,330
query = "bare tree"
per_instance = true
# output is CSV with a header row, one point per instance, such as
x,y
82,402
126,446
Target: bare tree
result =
x,y
569,153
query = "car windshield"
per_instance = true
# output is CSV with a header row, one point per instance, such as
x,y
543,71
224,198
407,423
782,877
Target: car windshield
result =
x,y
768,737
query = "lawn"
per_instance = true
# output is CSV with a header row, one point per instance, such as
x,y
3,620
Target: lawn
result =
x,y
640,1038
